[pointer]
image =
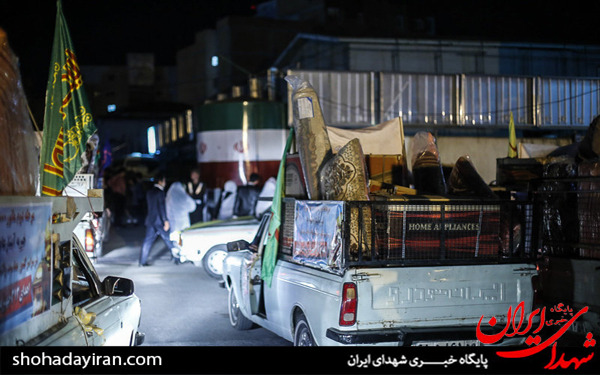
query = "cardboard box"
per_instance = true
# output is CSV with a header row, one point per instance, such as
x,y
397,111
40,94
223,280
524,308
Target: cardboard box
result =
x,y
387,169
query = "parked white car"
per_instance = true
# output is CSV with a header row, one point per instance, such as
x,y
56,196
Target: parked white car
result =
x,y
105,313
205,244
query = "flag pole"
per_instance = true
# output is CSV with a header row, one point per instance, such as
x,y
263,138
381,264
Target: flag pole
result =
x,y
512,138
270,251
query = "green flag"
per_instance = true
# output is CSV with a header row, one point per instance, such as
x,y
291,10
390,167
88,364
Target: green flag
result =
x,y
512,138
68,123
270,252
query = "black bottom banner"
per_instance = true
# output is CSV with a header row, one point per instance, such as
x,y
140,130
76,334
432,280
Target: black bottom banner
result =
x,y
296,360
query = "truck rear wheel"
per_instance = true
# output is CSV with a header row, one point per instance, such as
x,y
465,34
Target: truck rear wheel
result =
x,y
236,318
302,334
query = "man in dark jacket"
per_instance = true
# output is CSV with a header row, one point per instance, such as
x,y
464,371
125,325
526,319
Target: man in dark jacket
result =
x,y
156,222
196,189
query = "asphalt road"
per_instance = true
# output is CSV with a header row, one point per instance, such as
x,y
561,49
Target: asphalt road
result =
x,y
181,304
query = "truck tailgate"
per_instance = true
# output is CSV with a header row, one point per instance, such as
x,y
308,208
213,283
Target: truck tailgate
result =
x,y
440,296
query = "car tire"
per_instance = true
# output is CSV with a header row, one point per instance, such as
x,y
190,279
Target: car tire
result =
x,y
213,261
302,334
236,318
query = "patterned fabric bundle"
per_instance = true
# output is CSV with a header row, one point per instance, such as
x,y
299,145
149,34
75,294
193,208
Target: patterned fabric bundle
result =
x,y
19,165
344,178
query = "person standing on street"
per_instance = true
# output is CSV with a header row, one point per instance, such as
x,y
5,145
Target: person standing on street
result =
x,y
195,189
157,223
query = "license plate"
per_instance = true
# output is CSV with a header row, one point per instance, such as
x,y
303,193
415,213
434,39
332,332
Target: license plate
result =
x,y
448,343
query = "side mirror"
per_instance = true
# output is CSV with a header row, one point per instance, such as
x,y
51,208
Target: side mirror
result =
x,y
117,286
238,245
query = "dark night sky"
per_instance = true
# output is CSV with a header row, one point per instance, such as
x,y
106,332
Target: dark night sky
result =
x,y
104,30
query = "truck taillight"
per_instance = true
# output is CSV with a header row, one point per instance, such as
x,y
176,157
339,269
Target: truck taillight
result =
x,y
89,240
349,304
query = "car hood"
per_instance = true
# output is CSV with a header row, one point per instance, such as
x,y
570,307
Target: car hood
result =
x,y
243,220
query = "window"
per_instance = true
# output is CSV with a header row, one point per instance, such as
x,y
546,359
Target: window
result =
x,y
173,129
160,131
81,284
180,127
188,122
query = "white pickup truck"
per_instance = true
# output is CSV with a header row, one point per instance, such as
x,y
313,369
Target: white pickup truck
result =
x,y
385,272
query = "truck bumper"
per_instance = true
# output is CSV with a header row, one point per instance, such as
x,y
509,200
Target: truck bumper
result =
x,y
406,336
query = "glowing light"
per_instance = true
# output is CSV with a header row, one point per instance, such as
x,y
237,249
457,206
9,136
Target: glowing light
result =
x,y
151,140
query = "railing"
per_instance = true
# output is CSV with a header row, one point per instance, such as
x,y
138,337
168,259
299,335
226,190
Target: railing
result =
x,y
559,219
449,232
351,99
569,212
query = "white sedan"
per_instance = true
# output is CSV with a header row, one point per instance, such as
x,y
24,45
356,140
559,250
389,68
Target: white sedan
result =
x,y
104,313
205,244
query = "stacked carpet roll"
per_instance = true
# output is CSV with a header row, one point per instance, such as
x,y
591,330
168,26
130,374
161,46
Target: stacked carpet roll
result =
x,y
312,139
18,164
342,176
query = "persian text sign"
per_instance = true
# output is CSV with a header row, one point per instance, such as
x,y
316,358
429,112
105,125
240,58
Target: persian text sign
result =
x,y
318,233
24,262
15,297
